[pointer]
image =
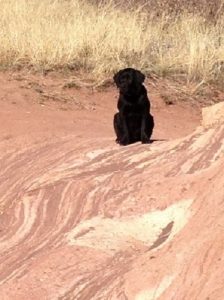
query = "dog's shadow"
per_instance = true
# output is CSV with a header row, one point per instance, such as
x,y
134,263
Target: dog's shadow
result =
x,y
157,140
150,142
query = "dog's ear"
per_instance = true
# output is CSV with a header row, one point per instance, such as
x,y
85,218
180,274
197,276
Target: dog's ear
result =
x,y
140,76
116,78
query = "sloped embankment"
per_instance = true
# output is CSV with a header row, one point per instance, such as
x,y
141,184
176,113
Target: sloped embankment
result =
x,y
89,220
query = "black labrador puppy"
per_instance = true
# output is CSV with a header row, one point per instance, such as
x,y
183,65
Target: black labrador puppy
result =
x,y
133,122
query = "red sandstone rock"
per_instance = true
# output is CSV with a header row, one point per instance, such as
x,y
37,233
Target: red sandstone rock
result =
x,y
82,218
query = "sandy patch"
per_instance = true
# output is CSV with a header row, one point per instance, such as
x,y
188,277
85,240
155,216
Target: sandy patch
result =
x,y
151,229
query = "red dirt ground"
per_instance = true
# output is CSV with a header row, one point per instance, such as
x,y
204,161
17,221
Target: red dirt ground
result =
x,y
38,107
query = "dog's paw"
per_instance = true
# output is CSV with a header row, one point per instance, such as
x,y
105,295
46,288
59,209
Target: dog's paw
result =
x,y
124,141
145,139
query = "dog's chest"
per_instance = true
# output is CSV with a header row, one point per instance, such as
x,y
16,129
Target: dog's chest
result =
x,y
134,108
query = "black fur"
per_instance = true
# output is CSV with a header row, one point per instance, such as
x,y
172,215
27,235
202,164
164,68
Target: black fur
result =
x,y
133,122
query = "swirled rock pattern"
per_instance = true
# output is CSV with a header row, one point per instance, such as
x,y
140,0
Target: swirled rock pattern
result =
x,y
88,219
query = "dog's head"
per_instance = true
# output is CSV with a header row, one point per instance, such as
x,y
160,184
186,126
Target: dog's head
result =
x,y
129,80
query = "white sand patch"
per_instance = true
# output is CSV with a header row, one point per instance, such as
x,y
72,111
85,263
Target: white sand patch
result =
x,y
157,291
113,234
94,153
139,156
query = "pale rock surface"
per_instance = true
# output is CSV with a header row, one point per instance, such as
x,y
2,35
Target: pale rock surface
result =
x,y
213,114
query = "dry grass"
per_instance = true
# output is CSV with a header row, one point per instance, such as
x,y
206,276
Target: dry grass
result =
x,y
100,39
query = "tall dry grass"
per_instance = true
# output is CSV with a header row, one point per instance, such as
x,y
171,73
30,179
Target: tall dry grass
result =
x,y
100,39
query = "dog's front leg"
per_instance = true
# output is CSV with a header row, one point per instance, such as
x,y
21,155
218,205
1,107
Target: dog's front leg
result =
x,y
145,138
125,140
123,107
121,129
147,128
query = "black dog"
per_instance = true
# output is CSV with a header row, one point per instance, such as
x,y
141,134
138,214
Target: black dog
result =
x,y
133,122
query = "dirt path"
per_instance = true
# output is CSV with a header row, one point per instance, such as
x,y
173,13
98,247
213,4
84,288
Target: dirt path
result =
x,y
41,107
83,218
